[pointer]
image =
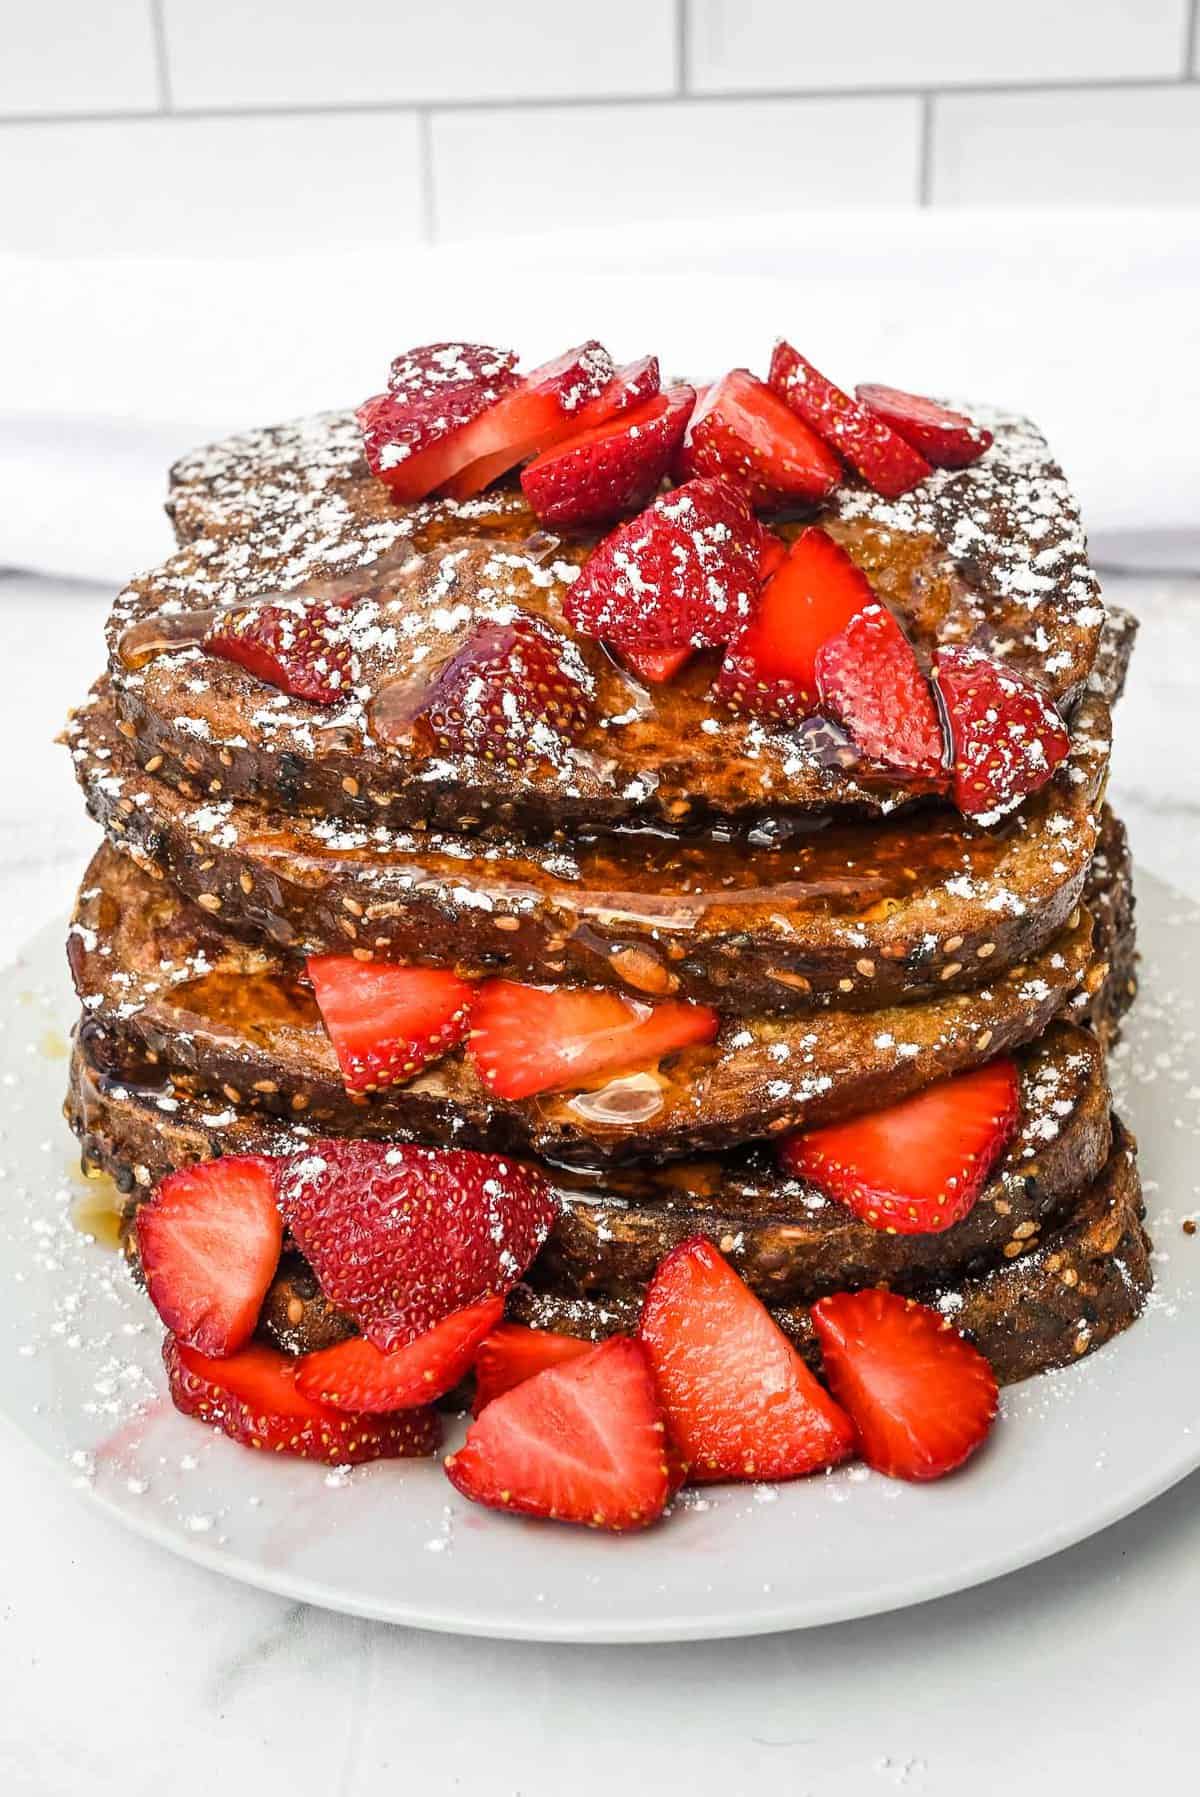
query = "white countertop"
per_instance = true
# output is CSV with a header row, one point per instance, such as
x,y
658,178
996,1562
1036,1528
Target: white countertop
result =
x,y
124,1670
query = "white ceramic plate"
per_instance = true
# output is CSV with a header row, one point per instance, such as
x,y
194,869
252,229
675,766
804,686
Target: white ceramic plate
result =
x,y
80,1375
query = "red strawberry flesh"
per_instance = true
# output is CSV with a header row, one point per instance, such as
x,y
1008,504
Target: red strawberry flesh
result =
x,y
401,1237
740,1402
512,1354
870,681
770,666
356,1375
582,1442
683,574
885,461
632,385
921,1397
530,1039
209,1242
744,431
918,1166
253,1397
945,438
301,646
1006,737
387,1022
613,468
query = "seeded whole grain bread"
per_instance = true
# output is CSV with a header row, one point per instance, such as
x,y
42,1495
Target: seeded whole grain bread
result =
x,y
993,555
238,1022
858,914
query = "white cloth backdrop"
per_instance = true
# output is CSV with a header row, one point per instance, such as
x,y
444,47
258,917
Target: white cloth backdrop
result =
x,y
1089,321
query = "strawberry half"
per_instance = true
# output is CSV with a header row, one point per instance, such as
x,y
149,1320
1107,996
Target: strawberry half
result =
x,y
921,1397
254,1398
615,467
1006,737
742,430
770,666
917,1166
409,432
356,1375
886,462
542,409
683,574
209,1242
401,1237
583,1442
945,438
387,1022
529,1039
302,647
511,1354
739,1400
870,681
515,695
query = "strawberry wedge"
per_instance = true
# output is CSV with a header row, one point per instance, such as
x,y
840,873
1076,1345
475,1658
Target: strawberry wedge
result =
x,y
512,1354
356,1375
613,468
542,410
945,438
918,1166
744,431
870,681
530,1039
209,1242
409,432
387,1022
886,462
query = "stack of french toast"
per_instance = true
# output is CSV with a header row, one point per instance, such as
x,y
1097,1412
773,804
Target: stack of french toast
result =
x,y
607,890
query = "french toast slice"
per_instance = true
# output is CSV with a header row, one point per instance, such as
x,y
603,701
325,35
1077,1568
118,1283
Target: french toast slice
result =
x,y
1037,1275
992,555
857,914
159,978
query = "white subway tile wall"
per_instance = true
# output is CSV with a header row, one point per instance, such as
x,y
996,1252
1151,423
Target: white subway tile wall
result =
x,y
160,126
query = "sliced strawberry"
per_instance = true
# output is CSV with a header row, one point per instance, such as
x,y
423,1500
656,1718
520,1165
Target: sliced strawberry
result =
x,y
528,1039
511,1354
254,1398
869,680
301,646
515,695
683,574
1006,737
356,1375
739,1400
917,1166
770,665
921,1397
401,1237
774,554
581,1442
613,468
209,1242
387,1022
542,410
885,461
945,438
656,665
745,432
632,385
434,391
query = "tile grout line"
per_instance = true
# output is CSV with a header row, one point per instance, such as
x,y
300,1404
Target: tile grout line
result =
x,y
591,102
681,46
925,166
162,65
425,167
